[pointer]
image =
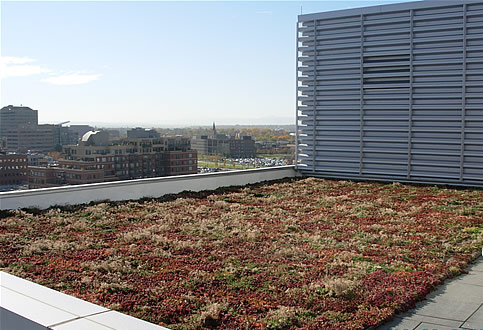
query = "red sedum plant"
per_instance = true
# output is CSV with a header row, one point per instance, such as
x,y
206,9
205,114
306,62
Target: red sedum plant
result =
x,y
307,253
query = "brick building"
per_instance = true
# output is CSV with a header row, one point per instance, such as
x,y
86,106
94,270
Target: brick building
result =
x,y
131,158
97,158
44,177
242,147
13,169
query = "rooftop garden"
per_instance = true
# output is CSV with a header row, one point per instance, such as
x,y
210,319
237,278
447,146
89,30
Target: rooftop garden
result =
x,y
308,253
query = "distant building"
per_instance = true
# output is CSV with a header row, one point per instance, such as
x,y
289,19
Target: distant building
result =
x,y
38,159
45,177
131,158
113,133
79,130
142,133
37,138
20,131
275,147
95,138
219,144
242,147
98,158
63,135
13,170
3,144
13,121
42,138
12,116
210,146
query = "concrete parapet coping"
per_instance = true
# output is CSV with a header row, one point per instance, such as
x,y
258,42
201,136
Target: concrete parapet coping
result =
x,y
25,305
140,188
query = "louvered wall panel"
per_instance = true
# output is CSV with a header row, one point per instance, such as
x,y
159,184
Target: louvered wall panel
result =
x,y
392,93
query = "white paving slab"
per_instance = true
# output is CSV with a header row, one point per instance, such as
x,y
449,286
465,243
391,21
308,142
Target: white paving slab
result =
x,y
82,324
24,300
33,309
122,321
48,296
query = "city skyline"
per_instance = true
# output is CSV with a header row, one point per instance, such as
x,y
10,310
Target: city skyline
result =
x,y
154,63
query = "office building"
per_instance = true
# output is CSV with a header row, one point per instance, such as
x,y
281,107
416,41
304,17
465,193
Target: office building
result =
x,y
20,132
220,144
131,158
13,121
34,138
207,145
80,130
13,116
242,147
142,133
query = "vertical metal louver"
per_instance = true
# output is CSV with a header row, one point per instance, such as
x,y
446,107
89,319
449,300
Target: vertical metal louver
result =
x,y
392,93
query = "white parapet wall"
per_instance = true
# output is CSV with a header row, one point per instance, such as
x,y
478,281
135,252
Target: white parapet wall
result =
x,y
136,189
25,305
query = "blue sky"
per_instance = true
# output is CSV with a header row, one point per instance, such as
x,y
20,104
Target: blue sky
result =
x,y
154,63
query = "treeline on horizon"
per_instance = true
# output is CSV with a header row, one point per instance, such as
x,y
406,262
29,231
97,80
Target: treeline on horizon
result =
x,y
257,133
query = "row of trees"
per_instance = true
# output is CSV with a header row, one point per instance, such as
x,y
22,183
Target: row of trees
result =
x,y
259,134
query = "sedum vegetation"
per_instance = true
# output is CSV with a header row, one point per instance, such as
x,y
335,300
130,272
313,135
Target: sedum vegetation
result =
x,y
307,253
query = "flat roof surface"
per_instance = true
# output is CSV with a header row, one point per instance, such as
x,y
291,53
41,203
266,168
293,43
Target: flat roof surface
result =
x,y
309,252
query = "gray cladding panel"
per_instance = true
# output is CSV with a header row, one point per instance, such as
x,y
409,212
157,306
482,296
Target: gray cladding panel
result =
x,y
392,93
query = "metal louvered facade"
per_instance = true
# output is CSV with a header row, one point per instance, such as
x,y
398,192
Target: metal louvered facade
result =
x,y
392,93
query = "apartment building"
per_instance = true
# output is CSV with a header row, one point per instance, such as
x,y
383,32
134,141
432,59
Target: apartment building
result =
x,y
39,159
131,158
